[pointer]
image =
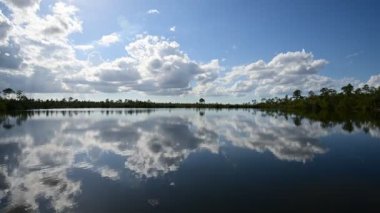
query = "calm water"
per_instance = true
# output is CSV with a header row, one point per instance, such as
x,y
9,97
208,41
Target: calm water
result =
x,y
186,161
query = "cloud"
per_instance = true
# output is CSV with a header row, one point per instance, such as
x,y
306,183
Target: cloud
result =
x,y
84,47
41,80
63,21
32,43
38,53
153,65
172,29
210,72
22,3
374,81
5,26
109,173
153,11
9,56
107,40
162,66
352,55
283,74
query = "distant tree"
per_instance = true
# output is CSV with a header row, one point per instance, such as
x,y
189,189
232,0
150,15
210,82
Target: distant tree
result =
x,y
372,89
297,121
366,88
332,92
358,91
254,101
311,93
327,92
297,94
19,94
348,126
8,92
201,100
347,90
324,91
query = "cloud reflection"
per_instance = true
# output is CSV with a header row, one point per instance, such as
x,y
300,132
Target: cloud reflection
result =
x,y
37,156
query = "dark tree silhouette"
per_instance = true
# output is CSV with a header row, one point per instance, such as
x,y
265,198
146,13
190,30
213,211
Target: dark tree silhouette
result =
x,y
19,94
366,88
7,92
297,94
363,100
324,91
348,89
358,91
327,92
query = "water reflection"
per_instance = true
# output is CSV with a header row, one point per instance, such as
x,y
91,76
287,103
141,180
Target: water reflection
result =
x,y
39,149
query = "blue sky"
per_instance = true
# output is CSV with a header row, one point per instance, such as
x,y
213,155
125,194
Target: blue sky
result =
x,y
344,32
236,33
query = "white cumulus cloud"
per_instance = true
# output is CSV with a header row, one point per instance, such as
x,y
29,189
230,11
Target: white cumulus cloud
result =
x,y
153,11
152,64
374,81
282,75
107,40
84,47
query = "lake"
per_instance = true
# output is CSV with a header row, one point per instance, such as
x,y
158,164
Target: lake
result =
x,y
186,160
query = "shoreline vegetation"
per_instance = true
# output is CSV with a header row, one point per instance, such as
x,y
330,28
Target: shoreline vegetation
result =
x,y
365,100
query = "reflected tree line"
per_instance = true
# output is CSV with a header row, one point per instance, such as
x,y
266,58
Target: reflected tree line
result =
x,y
10,120
348,121
16,118
327,119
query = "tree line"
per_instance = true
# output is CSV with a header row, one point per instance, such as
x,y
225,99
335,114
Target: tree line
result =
x,y
349,99
12,100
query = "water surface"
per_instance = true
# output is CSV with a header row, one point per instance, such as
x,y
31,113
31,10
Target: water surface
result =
x,y
178,160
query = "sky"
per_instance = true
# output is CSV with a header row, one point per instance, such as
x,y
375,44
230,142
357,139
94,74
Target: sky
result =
x,y
181,50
